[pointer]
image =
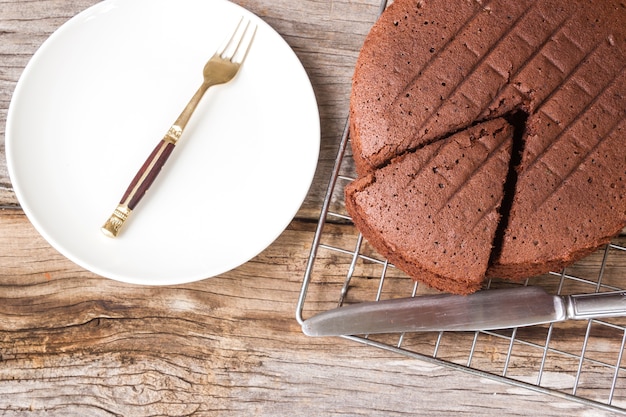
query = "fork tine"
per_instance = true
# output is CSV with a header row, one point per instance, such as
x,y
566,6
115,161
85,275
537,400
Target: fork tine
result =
x,y
231,49
241,51
226,43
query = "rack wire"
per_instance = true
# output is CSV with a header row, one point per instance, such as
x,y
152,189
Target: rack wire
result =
x,y
581,361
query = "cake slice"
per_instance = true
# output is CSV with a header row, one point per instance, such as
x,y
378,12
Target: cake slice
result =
x,y
434,212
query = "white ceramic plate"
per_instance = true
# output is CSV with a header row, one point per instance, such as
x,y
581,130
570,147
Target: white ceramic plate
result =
x,y
103,90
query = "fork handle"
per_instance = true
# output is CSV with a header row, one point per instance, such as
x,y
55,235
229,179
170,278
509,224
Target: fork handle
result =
x,y
151,168
141,183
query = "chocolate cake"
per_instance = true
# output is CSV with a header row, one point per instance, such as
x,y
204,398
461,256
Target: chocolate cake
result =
x,y
431,69
434,212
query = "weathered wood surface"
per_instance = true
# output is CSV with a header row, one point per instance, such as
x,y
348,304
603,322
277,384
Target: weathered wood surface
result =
x,y
72,343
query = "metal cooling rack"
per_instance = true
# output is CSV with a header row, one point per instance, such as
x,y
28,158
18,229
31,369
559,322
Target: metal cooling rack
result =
x,y
581,361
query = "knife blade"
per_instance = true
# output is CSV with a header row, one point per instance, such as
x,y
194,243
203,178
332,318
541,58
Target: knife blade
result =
x,y
484,310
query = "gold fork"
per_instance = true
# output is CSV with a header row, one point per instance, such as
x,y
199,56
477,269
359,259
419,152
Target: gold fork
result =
x,y
220,69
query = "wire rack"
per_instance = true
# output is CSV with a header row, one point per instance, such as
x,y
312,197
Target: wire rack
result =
x,y
581,361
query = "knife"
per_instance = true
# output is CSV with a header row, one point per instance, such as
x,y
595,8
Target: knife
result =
x,y
484,310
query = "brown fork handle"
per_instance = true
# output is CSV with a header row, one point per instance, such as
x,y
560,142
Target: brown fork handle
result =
x,y
138,187
147,174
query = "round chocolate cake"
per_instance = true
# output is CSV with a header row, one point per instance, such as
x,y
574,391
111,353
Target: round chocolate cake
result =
x,y
432,72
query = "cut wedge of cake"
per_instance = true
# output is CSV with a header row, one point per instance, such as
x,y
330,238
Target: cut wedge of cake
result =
x,y
434,212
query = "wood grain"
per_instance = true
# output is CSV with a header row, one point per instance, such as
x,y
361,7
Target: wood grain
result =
x,y
73,343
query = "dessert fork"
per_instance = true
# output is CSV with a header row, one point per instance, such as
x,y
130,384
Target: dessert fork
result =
x,y
220,69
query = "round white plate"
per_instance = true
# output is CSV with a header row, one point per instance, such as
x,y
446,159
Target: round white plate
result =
x,y
103,90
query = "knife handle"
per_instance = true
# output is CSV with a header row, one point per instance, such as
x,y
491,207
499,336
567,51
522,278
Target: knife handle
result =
x,y
597,305
141,182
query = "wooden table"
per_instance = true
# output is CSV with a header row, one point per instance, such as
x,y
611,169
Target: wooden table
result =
x,y
73,343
